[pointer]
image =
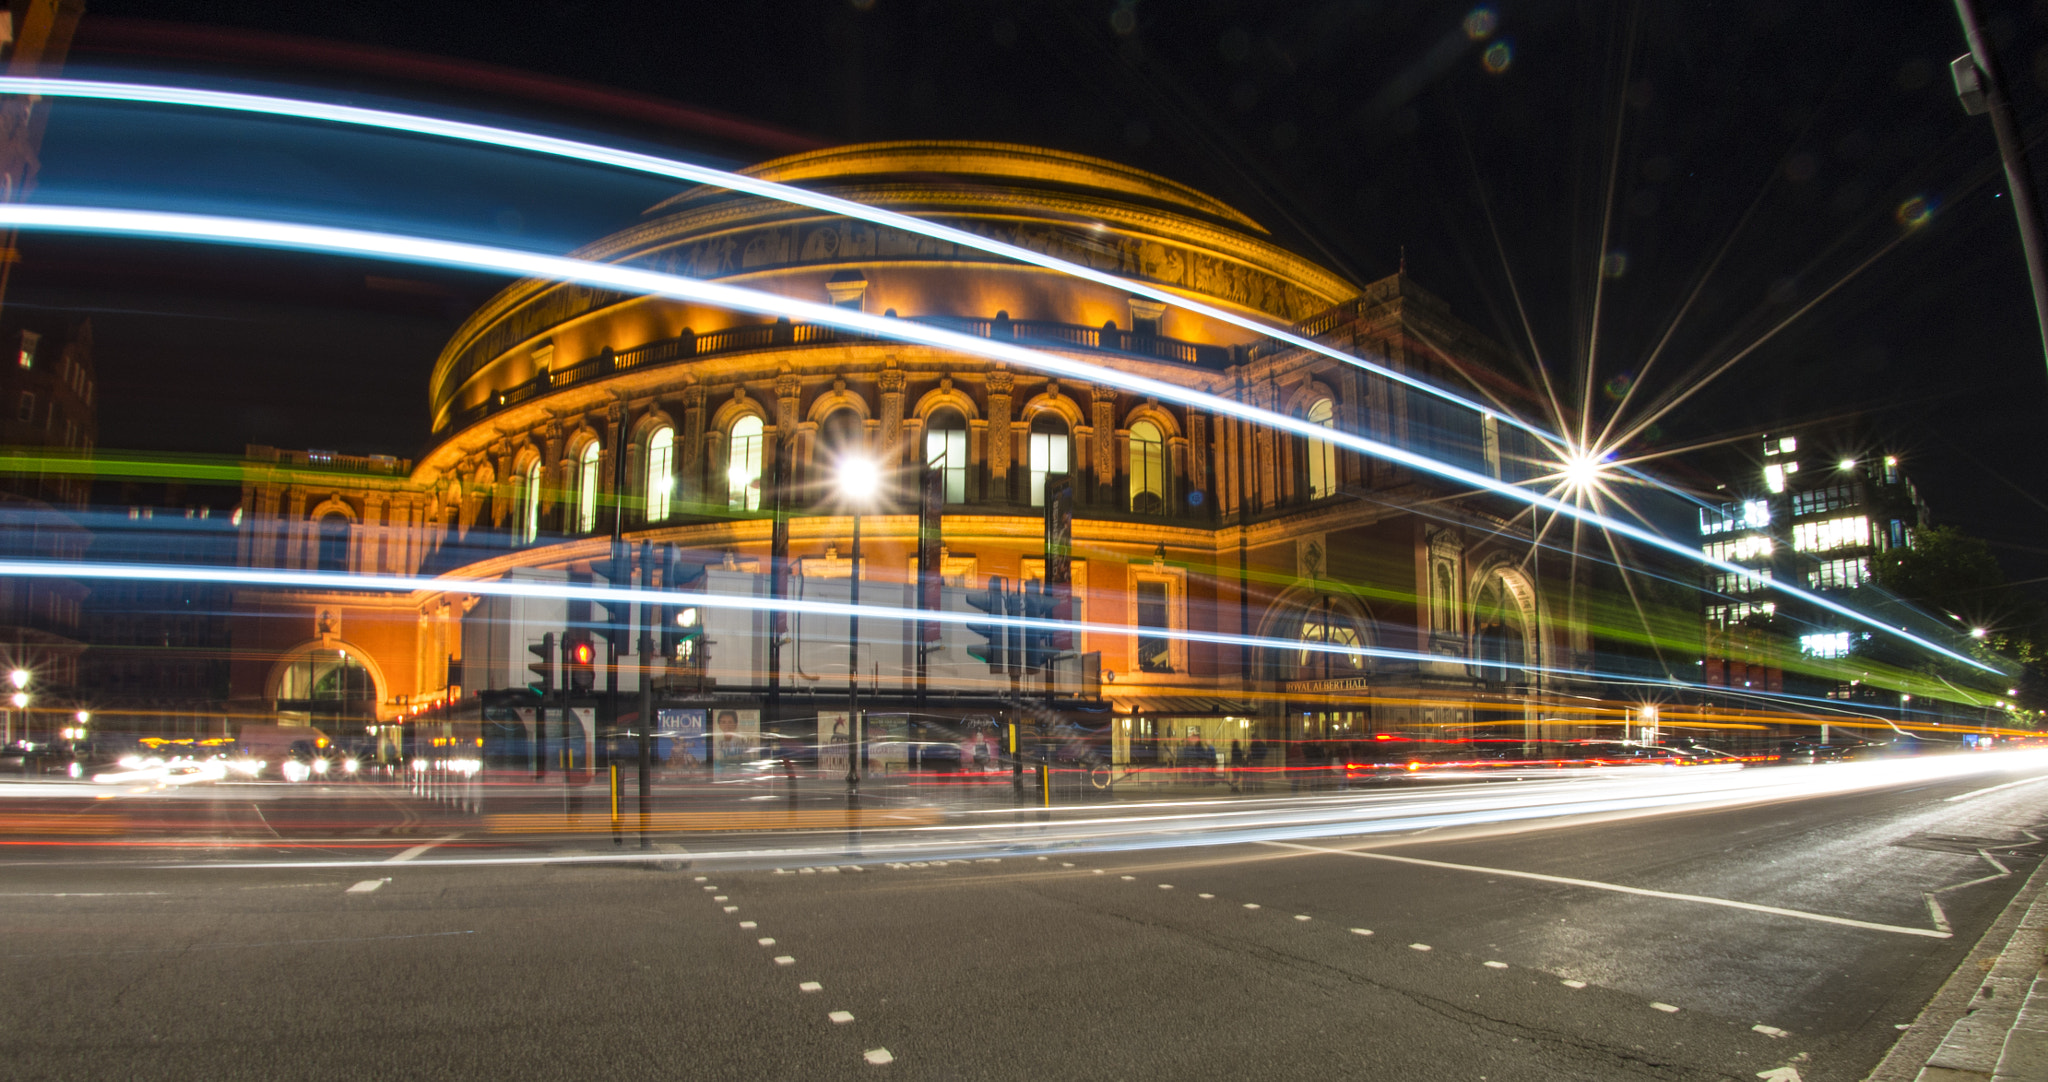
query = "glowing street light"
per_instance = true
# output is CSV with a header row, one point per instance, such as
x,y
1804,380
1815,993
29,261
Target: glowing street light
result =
x,y
20,700
19,678
1978,632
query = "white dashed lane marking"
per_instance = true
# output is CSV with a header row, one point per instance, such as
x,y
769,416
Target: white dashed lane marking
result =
x,y
1302,916
748,924
840,1017
1769,1031
732,909
366,886
1361,931
1665,1007
785,960
765,941
810,986
1420,947
1495,965
1573,984
1251,905
1205,895
878,1056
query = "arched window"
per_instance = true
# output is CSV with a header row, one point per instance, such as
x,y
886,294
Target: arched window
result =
x,y
529,504
945,448
1500,632
661,472
1322,625
1321,454
1148,469
586,488
743,464
1048,453
333,551
324,675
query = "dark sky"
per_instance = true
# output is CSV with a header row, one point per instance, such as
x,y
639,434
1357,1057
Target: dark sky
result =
x,y
1764,151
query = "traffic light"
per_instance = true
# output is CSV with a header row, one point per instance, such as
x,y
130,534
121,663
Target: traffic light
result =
x,y
1040,606
991,602
543,668
1013,653
613,620
579,656
682,629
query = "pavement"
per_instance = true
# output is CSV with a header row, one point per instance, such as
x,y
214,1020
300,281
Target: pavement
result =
x,y
1794,938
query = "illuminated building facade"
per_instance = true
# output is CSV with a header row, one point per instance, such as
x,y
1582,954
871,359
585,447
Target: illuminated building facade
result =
x,y
565,417
1816,505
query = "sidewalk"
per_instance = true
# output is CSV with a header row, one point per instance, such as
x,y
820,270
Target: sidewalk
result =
x,y
1989,1023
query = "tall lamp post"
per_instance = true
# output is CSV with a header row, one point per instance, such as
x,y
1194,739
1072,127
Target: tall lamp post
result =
x,y
1981,86
19,679
859,480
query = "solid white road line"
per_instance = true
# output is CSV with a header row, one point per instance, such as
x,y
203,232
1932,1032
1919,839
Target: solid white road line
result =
x,y
1620,889
1993,789
416,850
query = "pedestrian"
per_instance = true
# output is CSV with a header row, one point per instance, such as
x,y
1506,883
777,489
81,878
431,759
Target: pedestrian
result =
x,y
1236,767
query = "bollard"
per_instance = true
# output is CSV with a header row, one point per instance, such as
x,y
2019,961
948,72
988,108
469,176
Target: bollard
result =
x,y
618,825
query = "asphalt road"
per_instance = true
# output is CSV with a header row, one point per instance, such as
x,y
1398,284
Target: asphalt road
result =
x,y
1591,949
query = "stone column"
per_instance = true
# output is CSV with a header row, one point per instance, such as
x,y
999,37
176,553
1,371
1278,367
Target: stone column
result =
x,y
999,382
1104,403
892,382
690,447
788,424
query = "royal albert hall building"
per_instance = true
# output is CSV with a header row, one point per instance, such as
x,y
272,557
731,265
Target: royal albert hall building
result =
x,y
565,417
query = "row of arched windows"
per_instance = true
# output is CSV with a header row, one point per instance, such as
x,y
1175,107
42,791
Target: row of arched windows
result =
x,y
1048,455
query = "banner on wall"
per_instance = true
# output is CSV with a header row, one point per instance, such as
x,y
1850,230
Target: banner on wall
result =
x,y
888,743
834,744
735,736
684,730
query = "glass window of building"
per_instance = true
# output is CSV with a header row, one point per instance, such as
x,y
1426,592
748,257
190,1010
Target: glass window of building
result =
x,y
743,465
1049,447
1322,454
1155,651
586,488
1148,469
529,504
1323,626
1832,533
945,448
333,554
326,675
661,472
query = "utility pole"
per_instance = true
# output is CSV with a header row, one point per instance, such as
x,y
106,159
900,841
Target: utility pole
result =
x,y
1982,90
645,648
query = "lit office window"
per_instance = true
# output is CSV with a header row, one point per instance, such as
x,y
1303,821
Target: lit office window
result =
x,y
1049,446
586,488
945,449
1148,469
1322,454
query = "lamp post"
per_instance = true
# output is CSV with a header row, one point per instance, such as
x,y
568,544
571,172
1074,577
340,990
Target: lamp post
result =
x,y
20,699
858,481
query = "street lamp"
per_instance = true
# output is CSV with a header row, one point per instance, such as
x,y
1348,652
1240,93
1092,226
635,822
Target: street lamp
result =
x,y
859,479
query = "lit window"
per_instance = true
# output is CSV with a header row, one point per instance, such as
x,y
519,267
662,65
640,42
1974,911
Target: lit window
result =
x,y
1756,514
1774,477
945,448
529,512
1825,644
1839,574
1741,548
1322,454
586,488
1787,445
743,465
1049,447
661,472
1831,534
29,341
1155,652
1148,469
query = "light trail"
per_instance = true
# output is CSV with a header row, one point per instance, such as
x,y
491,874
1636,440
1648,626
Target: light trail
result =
x,y
403,248
612,157
612,595
1621,791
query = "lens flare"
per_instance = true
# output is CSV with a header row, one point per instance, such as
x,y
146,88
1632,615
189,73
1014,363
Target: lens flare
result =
x,y
1914,212
1497,57
1480,23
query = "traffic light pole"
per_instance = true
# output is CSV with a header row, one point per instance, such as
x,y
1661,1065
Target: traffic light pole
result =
x,y
646,648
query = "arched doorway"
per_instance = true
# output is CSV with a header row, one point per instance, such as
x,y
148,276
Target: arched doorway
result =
x,y
332,688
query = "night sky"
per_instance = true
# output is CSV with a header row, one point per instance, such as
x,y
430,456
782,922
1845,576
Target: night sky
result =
x,y
1765,150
